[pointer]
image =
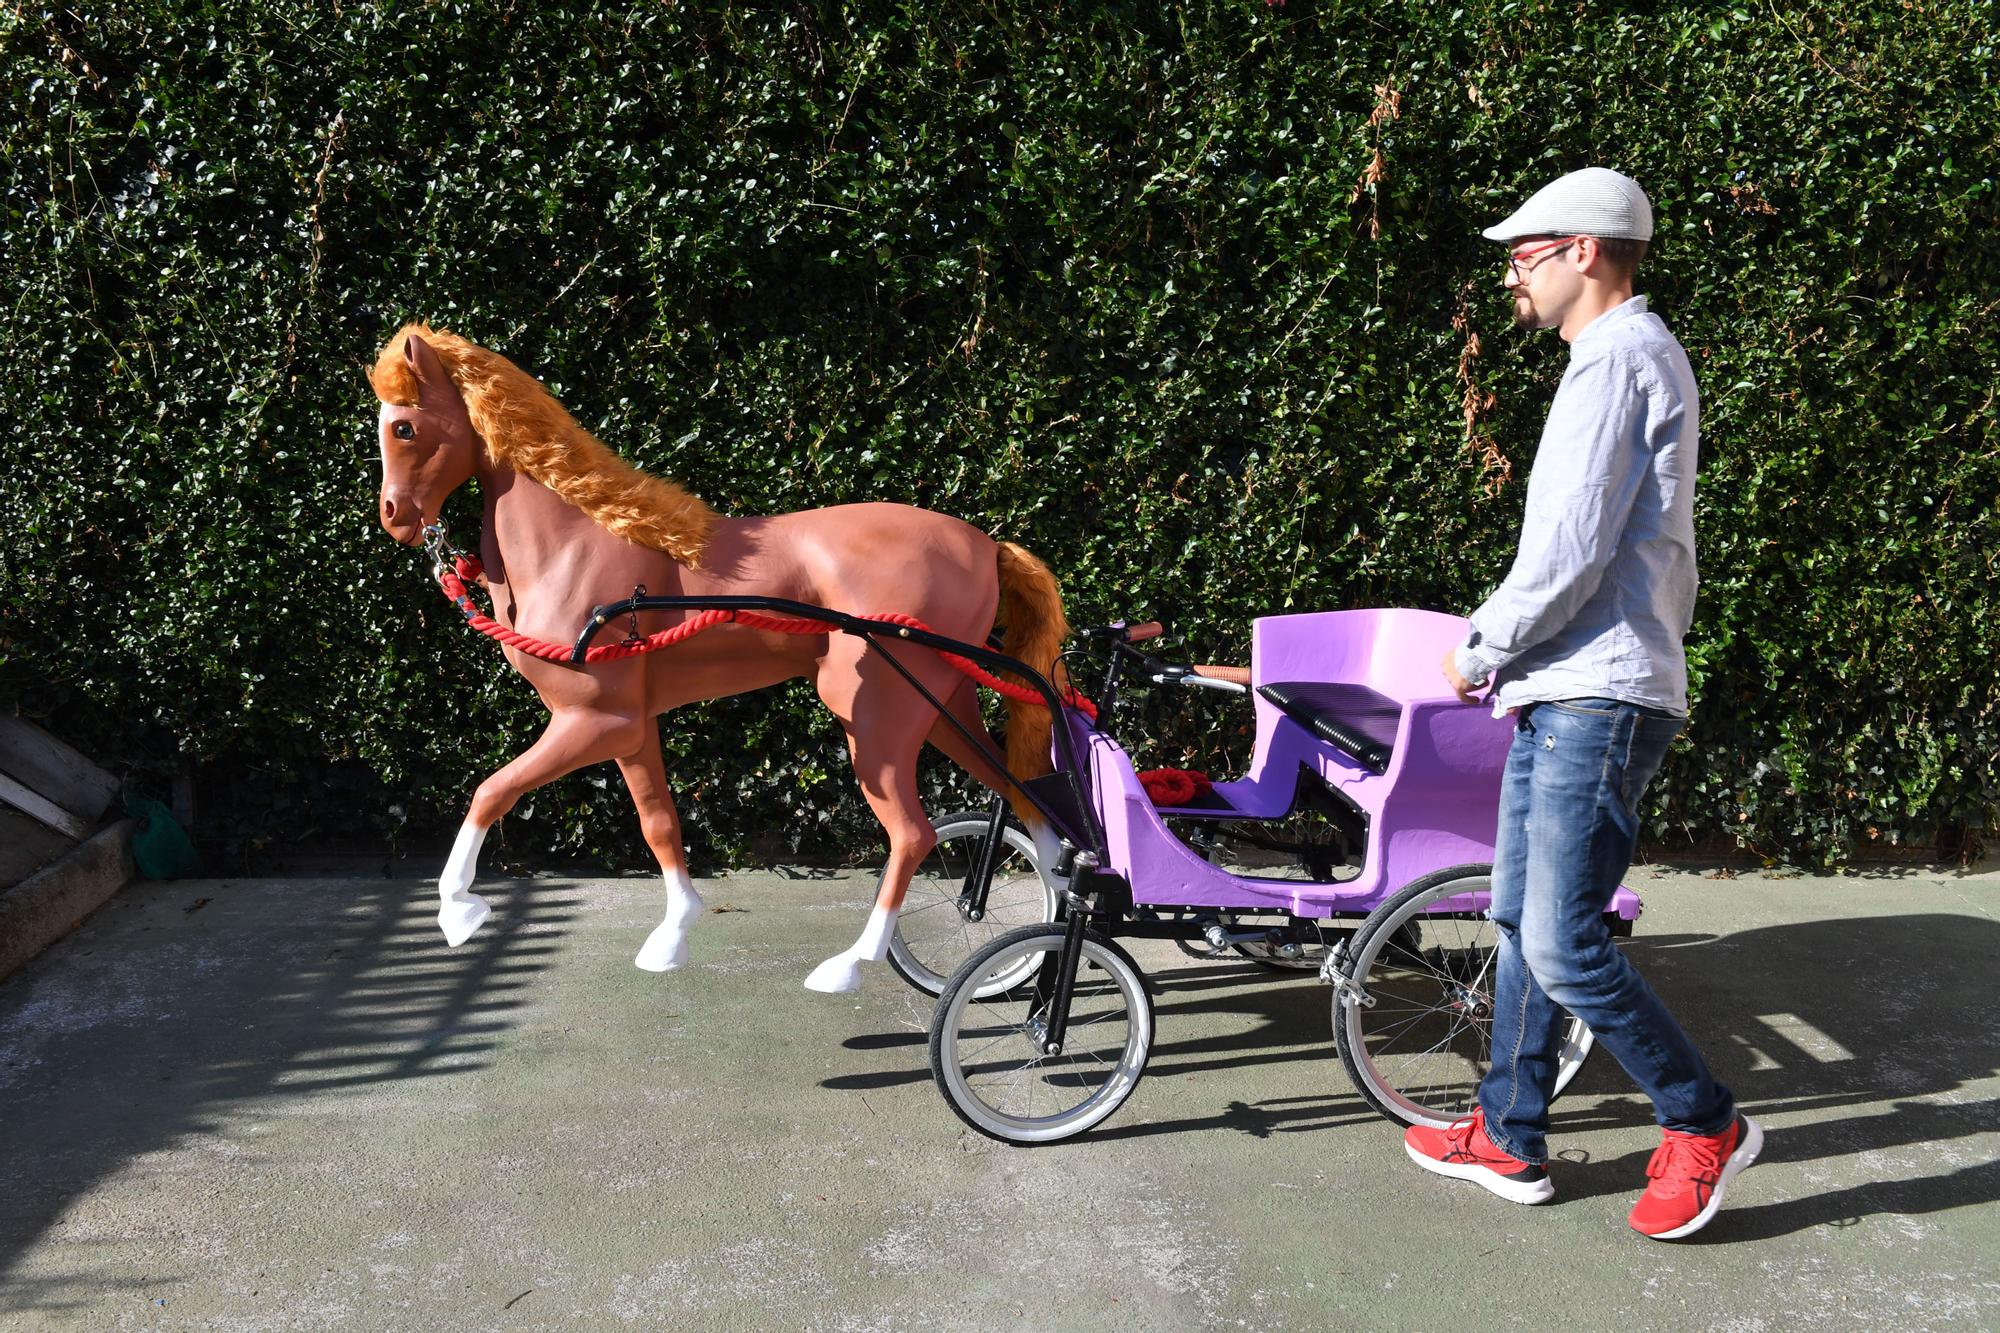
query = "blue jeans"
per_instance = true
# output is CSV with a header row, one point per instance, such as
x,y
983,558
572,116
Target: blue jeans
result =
x,y
1567,829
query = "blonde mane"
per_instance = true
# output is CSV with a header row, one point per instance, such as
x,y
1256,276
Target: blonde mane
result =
x,y
527,429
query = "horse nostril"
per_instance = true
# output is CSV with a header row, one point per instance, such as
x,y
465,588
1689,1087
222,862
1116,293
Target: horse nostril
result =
x,y
388,510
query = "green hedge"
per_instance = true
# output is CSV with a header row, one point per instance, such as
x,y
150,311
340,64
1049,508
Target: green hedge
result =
x,y
1189,298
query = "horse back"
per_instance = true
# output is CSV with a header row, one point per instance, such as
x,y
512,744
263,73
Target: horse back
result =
x,y
878,558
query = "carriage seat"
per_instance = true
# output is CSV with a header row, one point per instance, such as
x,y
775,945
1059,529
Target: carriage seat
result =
x,y
1352,717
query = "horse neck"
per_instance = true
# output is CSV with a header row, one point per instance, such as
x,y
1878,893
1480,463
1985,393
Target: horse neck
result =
x,y
534,535
537,540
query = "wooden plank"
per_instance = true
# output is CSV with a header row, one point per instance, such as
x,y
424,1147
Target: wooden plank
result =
x,y
26,845
46,766
27,802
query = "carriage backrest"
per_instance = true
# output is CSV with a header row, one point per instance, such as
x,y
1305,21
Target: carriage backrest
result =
x,y
1394,652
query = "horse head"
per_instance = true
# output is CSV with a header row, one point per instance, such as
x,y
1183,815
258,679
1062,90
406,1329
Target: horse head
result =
x,y
429,446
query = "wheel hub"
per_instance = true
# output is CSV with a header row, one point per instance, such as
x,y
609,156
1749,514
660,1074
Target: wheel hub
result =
x,y
1465,1000
1038,1035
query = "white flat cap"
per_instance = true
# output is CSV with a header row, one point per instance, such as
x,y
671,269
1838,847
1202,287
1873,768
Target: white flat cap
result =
x,y
1596,201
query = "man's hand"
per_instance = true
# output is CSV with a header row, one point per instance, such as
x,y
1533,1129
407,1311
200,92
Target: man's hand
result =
x,y
1460,686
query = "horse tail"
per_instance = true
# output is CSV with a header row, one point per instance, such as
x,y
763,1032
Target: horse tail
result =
x,y
1031,609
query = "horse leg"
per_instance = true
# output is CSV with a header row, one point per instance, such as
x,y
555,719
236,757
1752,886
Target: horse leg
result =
x,y
646,778
964,705
886,724
978,760
571,740
890,785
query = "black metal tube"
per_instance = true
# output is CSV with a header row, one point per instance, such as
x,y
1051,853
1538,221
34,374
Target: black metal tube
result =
x,y
979,879
938,707
1056,1025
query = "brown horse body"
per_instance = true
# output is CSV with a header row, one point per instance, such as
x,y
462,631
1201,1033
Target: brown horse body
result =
x,y
549,558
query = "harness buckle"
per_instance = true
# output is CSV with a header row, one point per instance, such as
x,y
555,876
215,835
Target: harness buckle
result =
x,y
632,634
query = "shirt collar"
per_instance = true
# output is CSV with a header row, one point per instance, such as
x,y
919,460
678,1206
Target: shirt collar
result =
x,y
1617,314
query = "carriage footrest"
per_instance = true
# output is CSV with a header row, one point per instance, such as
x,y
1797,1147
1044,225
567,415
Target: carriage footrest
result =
x,y
1059,796
1351,717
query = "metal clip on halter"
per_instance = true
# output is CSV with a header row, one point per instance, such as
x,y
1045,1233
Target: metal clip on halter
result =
x,y
434,545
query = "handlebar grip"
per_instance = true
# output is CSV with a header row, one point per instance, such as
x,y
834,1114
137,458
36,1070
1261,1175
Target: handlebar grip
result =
x,y
1150,629
1233,674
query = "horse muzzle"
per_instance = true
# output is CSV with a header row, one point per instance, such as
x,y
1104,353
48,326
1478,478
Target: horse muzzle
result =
x,y
401,519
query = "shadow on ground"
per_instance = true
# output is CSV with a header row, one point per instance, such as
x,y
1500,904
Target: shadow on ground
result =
x,y
1847,1036
1862,1035
171,1014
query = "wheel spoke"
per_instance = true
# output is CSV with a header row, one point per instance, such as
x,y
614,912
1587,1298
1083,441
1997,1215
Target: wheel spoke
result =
x,y
996,1076
1406,1025
1421,1049
1018,1030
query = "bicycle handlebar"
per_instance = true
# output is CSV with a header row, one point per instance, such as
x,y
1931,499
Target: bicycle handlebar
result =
x,y
1122,636
1192,678
1121,633
1230,680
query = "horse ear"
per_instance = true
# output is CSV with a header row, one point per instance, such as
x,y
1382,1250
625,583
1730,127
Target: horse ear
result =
x,y
417,354
435,390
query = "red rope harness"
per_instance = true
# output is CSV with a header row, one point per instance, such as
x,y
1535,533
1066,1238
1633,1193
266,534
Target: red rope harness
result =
x,y
452,579
1174,787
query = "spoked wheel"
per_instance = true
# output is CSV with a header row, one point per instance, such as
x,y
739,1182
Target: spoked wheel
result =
x,y
933,934
1426,958
986,1040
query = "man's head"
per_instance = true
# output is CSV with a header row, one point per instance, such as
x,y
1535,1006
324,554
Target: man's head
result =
x,y
1574,248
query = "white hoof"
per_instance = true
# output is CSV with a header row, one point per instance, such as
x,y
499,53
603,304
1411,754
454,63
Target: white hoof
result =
x,y
665,949
459,918
838,975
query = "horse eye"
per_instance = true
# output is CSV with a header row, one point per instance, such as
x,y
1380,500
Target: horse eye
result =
x,y
403,430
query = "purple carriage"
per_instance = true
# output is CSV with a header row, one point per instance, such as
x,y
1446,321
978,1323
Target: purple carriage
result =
x,y
1044,1030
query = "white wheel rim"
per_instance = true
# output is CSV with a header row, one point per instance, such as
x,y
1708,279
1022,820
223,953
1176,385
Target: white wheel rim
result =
x,y
1124,1074
1577,1039
1019,897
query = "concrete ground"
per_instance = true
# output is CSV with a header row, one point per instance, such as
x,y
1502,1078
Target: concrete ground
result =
x,y
277,1104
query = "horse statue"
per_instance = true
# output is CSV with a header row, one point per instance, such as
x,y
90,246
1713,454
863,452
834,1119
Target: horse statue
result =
x,y
568,526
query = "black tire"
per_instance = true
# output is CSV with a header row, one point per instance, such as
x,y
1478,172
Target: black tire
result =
x,y
932,937
988,1066
1418,1053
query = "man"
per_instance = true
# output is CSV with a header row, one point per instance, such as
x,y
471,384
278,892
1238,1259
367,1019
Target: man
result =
x,y
1582,645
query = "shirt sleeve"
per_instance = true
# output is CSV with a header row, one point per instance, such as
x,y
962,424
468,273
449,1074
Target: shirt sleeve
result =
x,y
1587,472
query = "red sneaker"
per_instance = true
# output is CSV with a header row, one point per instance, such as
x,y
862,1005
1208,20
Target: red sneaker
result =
x,y
1689,1173
1463,1152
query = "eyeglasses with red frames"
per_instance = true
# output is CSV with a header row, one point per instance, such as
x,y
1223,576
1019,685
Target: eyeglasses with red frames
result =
x,y
1541,253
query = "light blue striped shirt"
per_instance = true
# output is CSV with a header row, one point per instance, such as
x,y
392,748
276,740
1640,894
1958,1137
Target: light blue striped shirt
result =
x,y
1603,585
